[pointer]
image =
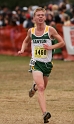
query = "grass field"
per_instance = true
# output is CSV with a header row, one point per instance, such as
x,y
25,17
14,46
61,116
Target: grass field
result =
x,y
15,81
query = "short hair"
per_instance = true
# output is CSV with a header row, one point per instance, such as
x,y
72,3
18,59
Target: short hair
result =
x,y
39,9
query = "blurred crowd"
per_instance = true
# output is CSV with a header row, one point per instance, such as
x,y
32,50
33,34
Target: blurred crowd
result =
x,y
62,13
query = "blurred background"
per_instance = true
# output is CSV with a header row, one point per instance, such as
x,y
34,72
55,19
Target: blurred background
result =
x,y
16,17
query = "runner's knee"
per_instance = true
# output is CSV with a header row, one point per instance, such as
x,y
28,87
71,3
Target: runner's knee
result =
x,y
41,88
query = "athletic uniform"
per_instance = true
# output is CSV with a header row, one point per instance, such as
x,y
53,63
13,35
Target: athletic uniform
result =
x,y
41,58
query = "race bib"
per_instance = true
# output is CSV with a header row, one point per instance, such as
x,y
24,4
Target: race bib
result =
x,y
40,52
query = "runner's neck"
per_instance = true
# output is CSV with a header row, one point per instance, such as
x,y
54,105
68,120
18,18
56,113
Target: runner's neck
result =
x,y
40,27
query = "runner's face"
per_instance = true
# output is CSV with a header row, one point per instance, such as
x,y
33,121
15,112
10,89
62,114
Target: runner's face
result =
x,y
39,17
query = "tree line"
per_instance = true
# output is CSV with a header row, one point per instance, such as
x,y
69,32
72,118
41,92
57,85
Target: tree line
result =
x,y
13,3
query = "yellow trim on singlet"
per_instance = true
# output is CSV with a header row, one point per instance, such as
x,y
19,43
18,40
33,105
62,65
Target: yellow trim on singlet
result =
x,y
32,30
45,31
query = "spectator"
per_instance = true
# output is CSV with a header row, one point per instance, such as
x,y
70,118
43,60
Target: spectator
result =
x,y
50,7
54,8
15,17
72,20
24,11
63,9
28,23
1,19
66,20
6,22
49,18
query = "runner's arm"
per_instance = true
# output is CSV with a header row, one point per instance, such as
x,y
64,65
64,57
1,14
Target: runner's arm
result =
x,y
55,35
25,42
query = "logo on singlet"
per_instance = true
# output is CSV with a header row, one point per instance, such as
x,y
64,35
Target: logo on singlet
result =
x,y
39,41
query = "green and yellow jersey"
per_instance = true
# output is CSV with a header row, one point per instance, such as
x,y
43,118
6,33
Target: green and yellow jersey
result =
x,y
38,51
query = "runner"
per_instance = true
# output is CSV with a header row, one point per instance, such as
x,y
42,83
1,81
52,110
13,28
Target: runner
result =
x,y
41,37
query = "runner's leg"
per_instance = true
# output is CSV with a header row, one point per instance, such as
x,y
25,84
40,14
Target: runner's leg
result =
x,y
45,81
38,78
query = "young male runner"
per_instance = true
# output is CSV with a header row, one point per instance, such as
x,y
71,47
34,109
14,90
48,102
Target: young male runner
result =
x,y
41,37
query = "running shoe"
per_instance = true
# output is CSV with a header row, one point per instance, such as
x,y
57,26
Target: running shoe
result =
x,y
46,116
32,91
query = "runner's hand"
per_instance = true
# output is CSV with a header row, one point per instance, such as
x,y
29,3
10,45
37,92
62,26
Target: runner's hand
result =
x,y
20,52
47,47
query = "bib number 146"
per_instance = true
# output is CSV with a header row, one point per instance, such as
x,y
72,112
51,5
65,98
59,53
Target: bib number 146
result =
x,y
40,53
